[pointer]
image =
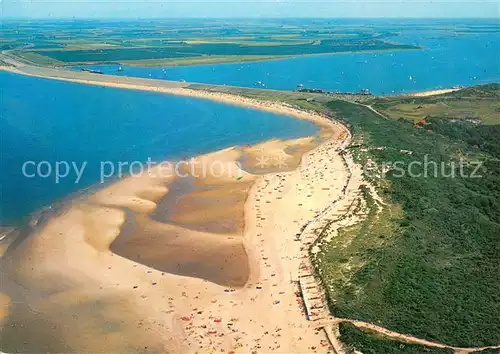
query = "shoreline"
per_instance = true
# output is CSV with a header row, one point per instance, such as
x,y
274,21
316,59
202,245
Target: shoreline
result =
x,y
175,87
430,93
107,206
183,90
285,57
227,317
133,63
204,313
224,315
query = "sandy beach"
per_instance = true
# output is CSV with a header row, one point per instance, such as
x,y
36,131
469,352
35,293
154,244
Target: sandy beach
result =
x,y
126,269
281,246
163,86
433,92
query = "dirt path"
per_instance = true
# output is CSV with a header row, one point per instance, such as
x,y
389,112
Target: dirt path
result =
x,y
373,110
411,339
399,336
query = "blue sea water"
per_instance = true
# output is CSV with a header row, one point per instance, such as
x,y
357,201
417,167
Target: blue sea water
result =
x,y
46,120
448,59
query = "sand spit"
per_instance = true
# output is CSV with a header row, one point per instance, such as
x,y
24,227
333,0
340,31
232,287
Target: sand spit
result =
x,y
162,86
109,270
109,274
433,92
7,235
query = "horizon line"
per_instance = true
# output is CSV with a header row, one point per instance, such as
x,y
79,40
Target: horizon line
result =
x,y
247,18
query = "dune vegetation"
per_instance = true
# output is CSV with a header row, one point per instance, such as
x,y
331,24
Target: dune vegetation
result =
x,y
427,263
471,103
370,343
436,274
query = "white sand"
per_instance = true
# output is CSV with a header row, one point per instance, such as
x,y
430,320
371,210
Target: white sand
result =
x,y
433,92
188,314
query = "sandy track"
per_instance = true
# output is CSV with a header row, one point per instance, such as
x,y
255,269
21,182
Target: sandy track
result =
x,y
400,336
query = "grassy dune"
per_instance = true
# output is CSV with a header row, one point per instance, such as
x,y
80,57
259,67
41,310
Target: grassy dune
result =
x,y
468,103
427,264
436,276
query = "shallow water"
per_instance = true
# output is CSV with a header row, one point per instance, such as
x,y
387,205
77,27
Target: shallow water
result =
x,y
53,121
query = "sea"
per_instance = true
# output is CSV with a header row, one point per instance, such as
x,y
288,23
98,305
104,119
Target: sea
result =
x,y
44,123
448,58
44,120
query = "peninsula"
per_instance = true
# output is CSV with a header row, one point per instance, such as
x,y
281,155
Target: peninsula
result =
x,y
292,269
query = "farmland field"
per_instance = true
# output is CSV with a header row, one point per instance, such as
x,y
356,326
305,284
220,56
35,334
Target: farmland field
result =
x,y
186,50
169,42
468,104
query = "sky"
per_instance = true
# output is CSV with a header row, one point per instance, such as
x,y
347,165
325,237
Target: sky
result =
x,y
249,8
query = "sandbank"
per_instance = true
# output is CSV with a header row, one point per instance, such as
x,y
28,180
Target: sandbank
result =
x,y
119,276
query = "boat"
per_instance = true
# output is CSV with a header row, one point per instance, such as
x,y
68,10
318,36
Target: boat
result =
x,y
92,71
120,68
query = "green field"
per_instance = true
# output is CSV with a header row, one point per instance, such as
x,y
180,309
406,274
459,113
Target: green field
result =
x,y
213,59
187,42
33,57
465,104
426,264
185,50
